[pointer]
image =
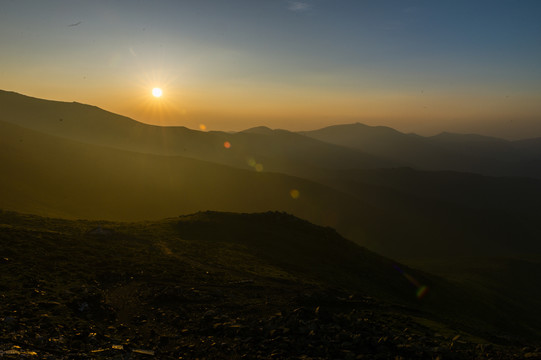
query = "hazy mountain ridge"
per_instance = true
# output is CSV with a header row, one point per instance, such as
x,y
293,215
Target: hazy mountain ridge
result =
x,y
54,176
447,214
335,147
401,213
468,189
75,179
450,137
446,151
281,151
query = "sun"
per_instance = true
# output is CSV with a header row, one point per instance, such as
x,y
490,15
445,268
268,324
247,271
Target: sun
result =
x,y
157,92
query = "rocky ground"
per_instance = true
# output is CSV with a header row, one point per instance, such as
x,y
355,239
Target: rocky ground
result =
x,y
62,297
242,320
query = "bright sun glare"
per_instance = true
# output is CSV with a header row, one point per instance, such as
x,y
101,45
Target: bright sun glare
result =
x,y
157,92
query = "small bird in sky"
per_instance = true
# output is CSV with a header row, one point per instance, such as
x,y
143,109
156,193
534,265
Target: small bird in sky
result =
x,y
75,24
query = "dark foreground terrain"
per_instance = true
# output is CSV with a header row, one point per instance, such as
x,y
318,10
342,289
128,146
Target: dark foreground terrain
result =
x,y
230,286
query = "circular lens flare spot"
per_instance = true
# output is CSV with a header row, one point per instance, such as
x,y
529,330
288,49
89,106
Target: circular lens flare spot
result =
x,y
227,144
157,92
259,167
202,127
294,194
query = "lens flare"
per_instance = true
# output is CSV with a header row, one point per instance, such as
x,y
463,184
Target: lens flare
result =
x,y
294,194
422,290
227,144
251,162
202,127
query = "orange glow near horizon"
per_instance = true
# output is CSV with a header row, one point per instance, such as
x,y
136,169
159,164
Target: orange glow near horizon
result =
x,y
428,113
368,71
291,108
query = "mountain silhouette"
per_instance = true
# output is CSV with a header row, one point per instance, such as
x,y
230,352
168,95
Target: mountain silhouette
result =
x,y
446,151
280,151
78,161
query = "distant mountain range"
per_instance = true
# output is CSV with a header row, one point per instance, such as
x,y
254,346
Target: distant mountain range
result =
x,y
446,151
401,195
457,213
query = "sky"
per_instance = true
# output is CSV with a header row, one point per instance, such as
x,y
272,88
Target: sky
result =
x,y
417,66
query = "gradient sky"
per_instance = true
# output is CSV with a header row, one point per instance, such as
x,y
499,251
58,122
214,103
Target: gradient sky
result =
x,y
418,66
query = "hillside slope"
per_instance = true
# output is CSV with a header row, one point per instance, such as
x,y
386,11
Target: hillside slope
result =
x,y
102,165
224,285
449,213
277,151
54,176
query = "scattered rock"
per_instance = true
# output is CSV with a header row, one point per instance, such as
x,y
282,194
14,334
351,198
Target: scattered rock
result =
x,y
100,231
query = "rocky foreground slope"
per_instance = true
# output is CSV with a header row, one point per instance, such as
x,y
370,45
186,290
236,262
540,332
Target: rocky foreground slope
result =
x,y
193,287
